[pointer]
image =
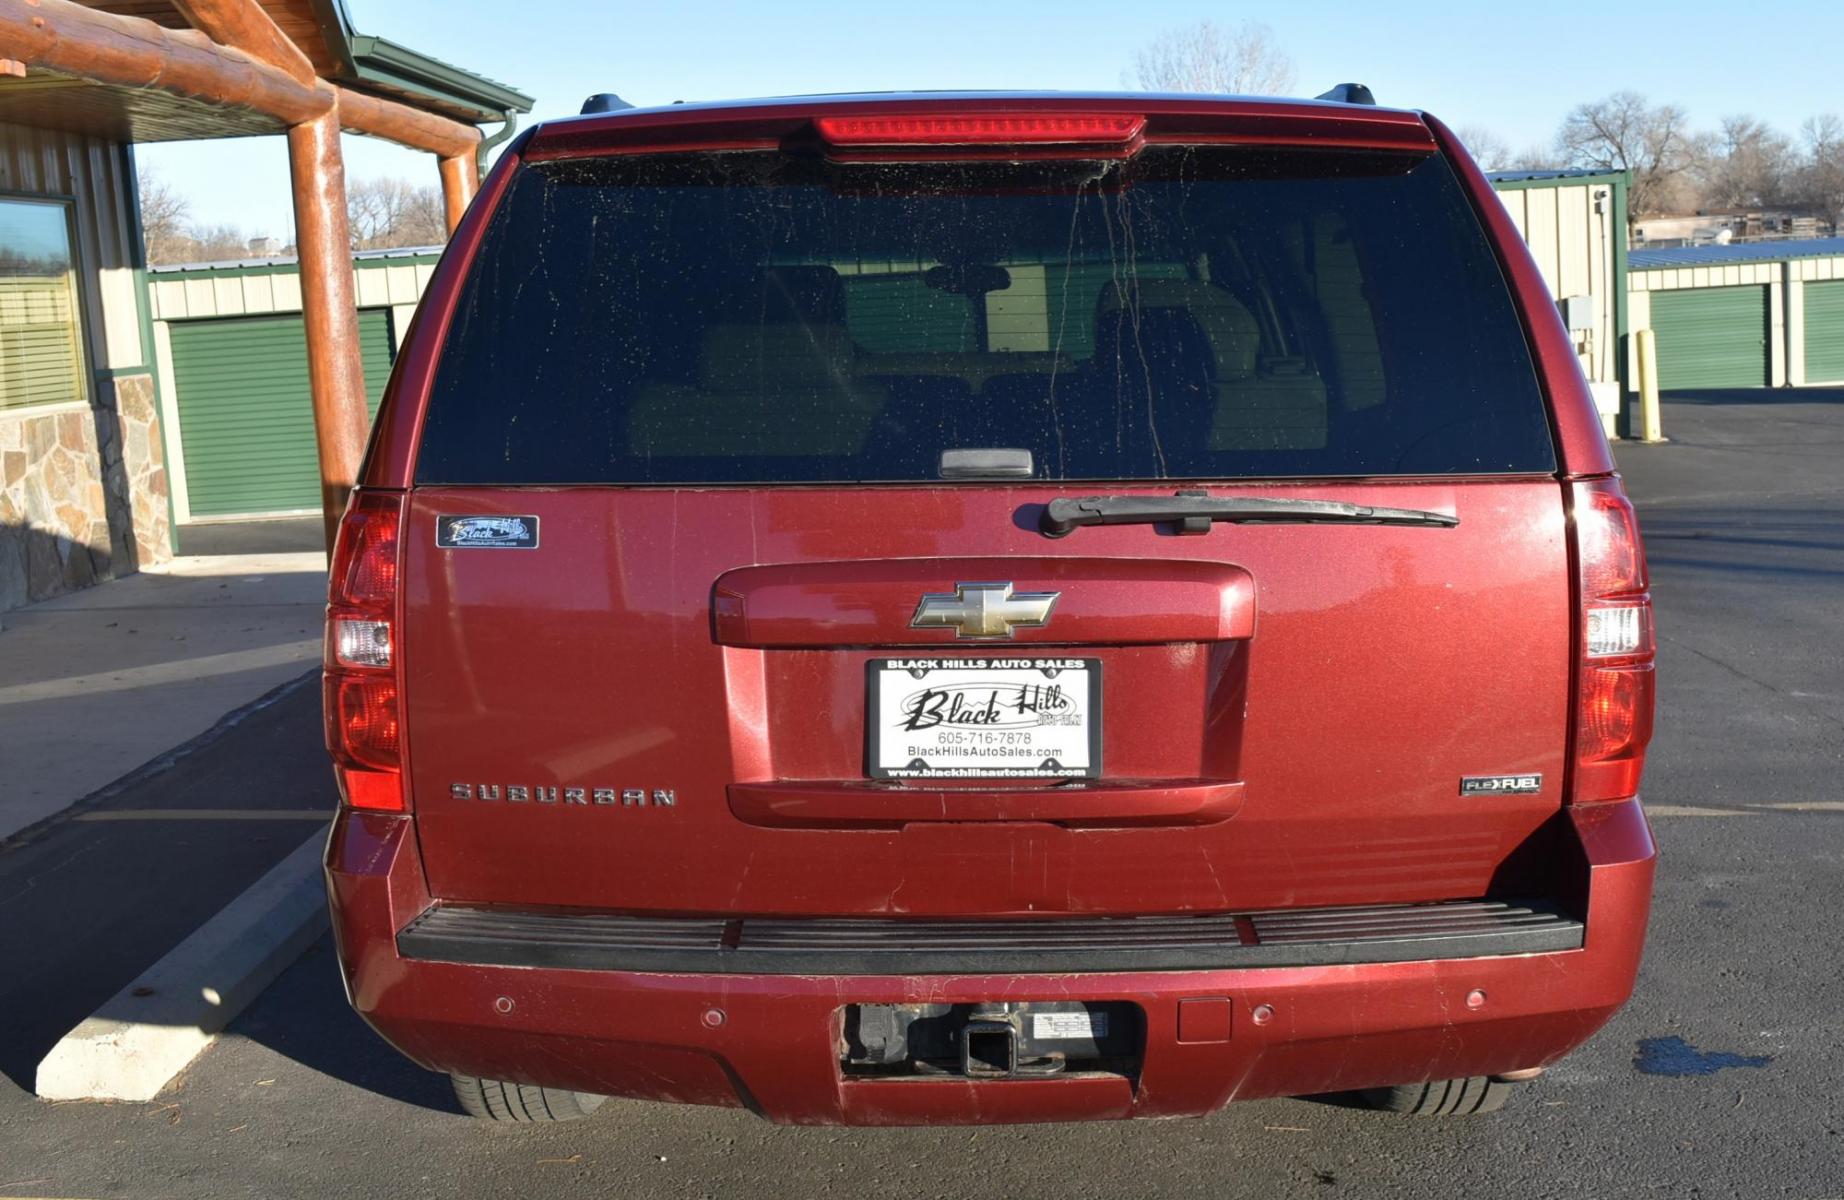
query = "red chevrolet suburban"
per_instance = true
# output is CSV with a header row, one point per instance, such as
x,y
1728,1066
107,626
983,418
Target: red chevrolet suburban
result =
x,y
988,607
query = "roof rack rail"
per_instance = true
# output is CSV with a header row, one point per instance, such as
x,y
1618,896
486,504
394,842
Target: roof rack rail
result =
x,y
604,102
1348,93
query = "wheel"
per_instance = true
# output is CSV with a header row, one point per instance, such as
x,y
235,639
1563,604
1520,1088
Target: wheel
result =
x,y
497,1100
1442,1097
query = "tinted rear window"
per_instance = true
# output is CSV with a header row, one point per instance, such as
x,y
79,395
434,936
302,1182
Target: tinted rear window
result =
x,y
1191,313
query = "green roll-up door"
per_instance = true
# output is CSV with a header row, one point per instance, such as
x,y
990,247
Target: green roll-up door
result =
x,y
1825,331
1711,337
246,417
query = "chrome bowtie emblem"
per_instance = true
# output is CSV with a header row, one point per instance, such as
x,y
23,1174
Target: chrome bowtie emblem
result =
x,y
984,610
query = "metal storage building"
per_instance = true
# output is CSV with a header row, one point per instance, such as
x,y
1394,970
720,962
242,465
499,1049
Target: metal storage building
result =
x,y
231,351
1763,314
84,421
1575,225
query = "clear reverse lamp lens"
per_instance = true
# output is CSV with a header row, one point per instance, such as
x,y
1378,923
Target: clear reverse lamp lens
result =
x,y
362,643
1610,631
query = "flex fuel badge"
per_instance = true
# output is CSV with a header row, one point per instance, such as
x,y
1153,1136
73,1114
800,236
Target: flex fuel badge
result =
x,y
1500,785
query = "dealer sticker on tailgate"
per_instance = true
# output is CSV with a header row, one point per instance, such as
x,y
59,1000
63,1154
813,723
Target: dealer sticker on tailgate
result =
x,y
970,718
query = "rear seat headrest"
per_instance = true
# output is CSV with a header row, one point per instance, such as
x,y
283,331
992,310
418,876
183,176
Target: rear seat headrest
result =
x,y
778,295
745,358
1231,330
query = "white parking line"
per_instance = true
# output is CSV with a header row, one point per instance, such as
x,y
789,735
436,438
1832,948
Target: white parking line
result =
x,y
176,671
208,814
1752,810
1689,810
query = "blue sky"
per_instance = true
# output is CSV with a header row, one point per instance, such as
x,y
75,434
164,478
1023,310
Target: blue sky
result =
x,y
1512,68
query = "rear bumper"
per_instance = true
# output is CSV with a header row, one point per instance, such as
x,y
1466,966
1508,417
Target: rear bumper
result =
x,y
770,1041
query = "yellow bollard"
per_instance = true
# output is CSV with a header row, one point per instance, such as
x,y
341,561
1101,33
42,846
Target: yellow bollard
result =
x,y
1651,427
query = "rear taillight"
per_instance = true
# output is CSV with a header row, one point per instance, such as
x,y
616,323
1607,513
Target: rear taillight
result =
x,y
363,719
1613,720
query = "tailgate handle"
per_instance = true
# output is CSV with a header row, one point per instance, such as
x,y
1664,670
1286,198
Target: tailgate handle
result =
x,y
872,602
860,805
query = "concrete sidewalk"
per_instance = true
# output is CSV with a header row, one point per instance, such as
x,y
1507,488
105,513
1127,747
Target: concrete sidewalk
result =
x,y
98,683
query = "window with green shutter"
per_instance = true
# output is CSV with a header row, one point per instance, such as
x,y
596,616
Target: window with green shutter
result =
x,y
41,343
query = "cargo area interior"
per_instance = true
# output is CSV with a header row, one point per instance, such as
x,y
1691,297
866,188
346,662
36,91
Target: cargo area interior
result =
x,y
1196,312
873,359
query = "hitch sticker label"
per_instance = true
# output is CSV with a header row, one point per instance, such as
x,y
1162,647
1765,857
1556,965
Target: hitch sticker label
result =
x,y
1069,1025
486,533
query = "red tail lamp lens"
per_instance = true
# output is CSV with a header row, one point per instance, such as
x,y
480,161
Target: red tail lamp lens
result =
x,y
365,708
972,129
1607,534
1618,692
364,570
363,722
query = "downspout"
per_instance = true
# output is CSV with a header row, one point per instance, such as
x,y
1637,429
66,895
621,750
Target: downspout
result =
x,y
509,123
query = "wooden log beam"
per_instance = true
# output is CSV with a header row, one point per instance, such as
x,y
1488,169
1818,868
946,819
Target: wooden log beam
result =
x,y
244,25
329,309
89,43
460,178
408,126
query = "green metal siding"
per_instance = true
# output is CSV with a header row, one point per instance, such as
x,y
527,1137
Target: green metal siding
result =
x,y
246,415
1711,337
1825,331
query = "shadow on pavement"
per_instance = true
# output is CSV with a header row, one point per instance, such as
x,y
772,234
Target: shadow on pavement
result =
x,y
304,1016
1750,541
286,535
98,893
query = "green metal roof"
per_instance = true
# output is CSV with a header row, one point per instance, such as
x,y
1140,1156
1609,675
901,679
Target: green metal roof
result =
x,y
1511,181
375,64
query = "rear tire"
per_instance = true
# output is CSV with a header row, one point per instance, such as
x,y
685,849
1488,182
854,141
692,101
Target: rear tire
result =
x,y
498,1100
1441,1097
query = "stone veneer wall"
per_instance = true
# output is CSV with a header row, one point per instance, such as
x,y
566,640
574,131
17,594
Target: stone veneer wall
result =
x,y
83,493
139,470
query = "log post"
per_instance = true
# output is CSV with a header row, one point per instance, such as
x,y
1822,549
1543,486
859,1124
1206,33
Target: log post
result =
x,y
246,26
329,308
460,177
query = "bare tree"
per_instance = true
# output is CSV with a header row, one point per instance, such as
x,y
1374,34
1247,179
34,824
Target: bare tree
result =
x,y
1625,132
1821,176
1746,164
1488,149
164,219
1206,57
216,243
1535,158
388,213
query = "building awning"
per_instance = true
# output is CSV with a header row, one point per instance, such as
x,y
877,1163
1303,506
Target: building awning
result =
x,y
322,30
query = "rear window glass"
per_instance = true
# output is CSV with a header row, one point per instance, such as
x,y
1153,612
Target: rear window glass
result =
x,y
757,317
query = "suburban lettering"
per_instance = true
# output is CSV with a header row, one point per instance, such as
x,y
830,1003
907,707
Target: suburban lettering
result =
x,y
565,794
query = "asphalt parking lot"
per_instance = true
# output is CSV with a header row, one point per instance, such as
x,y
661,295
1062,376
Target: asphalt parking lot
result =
x,y
1721,1078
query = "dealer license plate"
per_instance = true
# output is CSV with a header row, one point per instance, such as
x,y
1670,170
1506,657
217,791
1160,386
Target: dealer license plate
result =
x,y
983,718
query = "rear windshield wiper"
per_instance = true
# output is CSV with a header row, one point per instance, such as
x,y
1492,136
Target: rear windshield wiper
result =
x,y
1194,512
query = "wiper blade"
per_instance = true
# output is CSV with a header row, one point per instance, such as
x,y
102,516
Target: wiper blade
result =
x,y
1195,512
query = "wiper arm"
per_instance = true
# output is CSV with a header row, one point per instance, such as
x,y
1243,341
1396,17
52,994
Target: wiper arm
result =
x,y
1195,512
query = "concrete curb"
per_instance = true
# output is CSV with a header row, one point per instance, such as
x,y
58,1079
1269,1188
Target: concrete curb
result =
x,y
135,1044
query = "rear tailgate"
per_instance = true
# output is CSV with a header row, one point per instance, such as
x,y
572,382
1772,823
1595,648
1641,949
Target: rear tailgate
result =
x,y
558,696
